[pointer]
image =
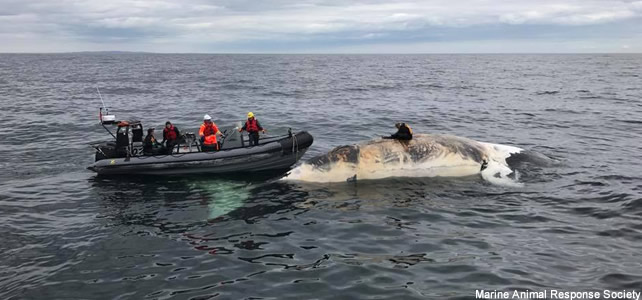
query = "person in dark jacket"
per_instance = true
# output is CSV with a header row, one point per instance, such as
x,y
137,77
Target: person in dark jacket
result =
x,y
404,133
252,126
150,145
170,136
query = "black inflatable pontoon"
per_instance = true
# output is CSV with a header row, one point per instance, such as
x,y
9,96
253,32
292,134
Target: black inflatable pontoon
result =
x,y
125,155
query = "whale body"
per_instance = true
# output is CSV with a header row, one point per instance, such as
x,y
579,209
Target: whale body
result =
x,y
426,155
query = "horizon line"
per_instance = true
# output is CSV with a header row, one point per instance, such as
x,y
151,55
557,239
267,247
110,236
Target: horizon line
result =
x,y
314,53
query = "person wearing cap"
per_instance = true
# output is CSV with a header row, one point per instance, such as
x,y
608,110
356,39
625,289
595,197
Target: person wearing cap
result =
x,y
170,136
252,126
150,145
208,133
404,133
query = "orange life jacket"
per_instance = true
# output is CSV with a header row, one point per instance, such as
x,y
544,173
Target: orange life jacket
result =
x,y
251,125
170,133
209,132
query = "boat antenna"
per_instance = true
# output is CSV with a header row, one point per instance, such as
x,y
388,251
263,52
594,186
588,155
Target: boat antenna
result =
x,y
101,98
106,113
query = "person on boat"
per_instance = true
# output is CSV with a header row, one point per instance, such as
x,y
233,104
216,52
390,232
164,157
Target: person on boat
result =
x,y
404,133
150,145
208,133
170,136
252,126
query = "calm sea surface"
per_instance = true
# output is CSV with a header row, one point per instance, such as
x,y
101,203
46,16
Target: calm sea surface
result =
x,y
575,225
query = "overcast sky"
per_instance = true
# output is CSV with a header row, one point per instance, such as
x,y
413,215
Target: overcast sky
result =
x,y
321,26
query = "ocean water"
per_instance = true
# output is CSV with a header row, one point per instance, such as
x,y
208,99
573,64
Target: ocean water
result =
x,y
575,225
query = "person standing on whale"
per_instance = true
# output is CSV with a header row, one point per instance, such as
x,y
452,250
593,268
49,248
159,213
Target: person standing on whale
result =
x,y
404,133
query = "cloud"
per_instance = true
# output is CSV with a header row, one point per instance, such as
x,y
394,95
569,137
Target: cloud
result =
x,y
201,25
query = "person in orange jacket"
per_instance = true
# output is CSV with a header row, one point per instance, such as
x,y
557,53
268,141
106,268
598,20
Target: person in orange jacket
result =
x,y
208,133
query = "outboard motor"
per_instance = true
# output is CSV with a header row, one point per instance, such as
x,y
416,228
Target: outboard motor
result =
x,y
137,139
124,145
122,139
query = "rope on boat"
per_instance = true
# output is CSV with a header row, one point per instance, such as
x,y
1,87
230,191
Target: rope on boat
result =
x,y
295,141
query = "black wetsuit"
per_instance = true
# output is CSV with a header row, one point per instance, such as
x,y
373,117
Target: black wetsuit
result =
x,y
403,133
150,145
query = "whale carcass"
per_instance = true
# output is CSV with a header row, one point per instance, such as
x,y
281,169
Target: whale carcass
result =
x,y
426,155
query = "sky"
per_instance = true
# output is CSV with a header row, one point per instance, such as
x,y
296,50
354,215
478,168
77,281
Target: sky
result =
x,y
322,26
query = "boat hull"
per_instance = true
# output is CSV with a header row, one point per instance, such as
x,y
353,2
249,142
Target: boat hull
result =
x,y
275,156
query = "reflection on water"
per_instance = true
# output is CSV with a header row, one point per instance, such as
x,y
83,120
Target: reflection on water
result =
x,y
223,196
153,197
172,204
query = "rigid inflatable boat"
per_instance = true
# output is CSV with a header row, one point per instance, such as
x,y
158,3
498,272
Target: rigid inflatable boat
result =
x,y
125,155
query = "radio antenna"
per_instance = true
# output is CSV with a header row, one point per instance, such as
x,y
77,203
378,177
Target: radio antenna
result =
x,y
101,98
107,118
